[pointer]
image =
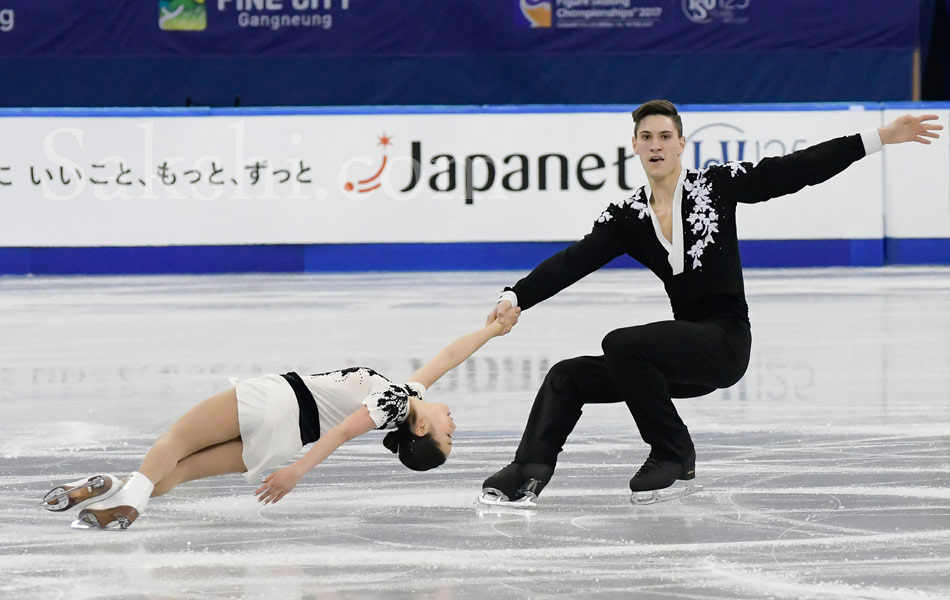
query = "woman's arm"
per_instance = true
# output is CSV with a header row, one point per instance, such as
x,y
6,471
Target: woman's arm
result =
x,y
455,353
279,483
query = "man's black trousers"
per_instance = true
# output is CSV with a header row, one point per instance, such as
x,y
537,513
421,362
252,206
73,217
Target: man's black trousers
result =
x,y
644,367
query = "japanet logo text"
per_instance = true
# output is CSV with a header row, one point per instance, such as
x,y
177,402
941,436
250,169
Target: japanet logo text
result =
x,y
465,176
6,20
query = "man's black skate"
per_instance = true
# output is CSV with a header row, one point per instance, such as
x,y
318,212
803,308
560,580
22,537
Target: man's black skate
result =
x,y
517,485
654,481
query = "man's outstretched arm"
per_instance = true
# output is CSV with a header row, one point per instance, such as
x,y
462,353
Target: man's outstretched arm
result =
x,y
781,175
566,267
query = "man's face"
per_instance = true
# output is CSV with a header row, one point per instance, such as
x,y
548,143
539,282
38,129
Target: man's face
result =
x,y
658,145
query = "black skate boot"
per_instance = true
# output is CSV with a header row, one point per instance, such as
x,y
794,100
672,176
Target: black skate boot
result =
x,y
517,485
654,481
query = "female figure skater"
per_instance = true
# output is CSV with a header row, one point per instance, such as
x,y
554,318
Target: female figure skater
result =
x,y
264,421
681,226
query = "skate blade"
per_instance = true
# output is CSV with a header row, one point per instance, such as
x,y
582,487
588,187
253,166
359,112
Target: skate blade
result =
x,y
485,511
80,524
119,517
490,497
52,499
671,493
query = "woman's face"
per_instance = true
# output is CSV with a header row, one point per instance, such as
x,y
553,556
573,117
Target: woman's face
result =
x,y
435,418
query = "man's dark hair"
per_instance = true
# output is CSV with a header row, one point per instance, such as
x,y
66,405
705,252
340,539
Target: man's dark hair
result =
x,y
418,452
657,107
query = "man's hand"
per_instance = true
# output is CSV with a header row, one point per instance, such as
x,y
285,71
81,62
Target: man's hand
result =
x,y
494,313
278,484
910,129
506,315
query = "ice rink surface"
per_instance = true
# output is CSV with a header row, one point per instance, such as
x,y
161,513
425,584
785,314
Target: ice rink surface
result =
x,y
826,469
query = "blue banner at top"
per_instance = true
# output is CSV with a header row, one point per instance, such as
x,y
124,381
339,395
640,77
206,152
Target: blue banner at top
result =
x,y
448,27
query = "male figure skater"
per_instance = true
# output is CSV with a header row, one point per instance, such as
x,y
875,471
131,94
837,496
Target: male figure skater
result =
x,y
681,226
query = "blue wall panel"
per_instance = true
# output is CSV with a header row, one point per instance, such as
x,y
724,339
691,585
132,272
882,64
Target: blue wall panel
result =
x,y
935,251
519,256
811,253
163,259
326,81
15,261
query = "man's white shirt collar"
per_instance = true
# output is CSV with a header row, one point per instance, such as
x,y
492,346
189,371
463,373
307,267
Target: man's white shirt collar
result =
x,y
675,249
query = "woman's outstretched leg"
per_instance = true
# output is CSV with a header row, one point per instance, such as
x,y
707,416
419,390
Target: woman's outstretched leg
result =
x,y
208,424
212,422
222,459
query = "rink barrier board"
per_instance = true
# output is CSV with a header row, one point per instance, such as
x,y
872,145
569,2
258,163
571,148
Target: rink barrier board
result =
x,y
459,109
934,251
315,258
159,213
411,256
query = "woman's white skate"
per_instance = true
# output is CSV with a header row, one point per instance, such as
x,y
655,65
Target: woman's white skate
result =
x,y
121,510
79,493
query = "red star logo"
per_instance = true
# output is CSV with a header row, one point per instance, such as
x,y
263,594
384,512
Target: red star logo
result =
x,y
384,140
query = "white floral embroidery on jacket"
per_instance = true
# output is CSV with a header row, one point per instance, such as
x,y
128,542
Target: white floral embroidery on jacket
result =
x,y
638,205
703,219
735,167
631,201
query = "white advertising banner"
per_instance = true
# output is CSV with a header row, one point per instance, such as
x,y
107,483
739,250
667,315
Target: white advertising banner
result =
x,y
141,179
917,184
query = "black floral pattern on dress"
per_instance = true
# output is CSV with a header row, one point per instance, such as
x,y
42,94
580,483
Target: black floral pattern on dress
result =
x,y
367,370
388,404
342,373
391,406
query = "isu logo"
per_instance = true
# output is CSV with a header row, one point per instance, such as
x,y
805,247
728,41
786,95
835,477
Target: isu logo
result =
x,y
537,12
372,182
719,143
705,11
698,11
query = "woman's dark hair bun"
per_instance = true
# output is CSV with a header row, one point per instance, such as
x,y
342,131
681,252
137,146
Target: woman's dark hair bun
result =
x,y
391,441
418,452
